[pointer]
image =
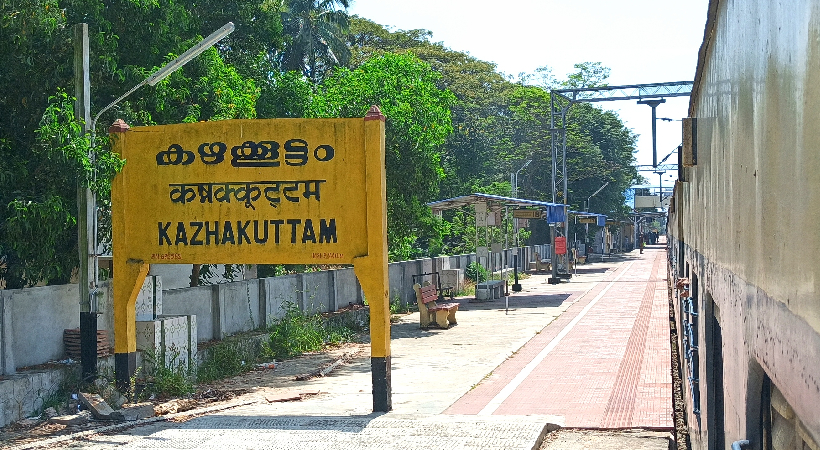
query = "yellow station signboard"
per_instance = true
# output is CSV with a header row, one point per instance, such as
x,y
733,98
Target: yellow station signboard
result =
x,y
275,191
246,191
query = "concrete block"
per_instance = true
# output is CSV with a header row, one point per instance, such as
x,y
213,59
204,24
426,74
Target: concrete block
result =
x,y
348,289
317,292
453,278
280,291
175,341
145,300
239,307
74,419
138,411
192,338
149,335
149,299
98,407
110,394
38,316
157,294
171,338
22,395
483,294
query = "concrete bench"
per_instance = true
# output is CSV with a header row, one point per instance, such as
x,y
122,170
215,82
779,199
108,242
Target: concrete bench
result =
x,y
431,309
490,290
540,265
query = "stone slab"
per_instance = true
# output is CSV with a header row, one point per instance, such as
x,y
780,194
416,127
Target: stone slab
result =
x,y
98,407
74,419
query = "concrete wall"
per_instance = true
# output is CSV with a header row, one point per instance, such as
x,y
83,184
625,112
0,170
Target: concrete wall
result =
x,y
32,324
746,216
230,308
22,394
32,320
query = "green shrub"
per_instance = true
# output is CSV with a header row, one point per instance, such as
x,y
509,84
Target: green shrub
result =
x,y
476,273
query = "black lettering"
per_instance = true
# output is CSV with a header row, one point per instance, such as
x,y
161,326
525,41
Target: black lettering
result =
x,y
227,233
242,231
256,232
251,154
163,232
182,236
209,233
174,156
212,153
293,223
277,223
197,229
328,153
296,151
327,231
307,232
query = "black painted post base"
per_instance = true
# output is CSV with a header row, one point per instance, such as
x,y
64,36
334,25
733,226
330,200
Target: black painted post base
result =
x,y
382,395
516,287
88,346
125,364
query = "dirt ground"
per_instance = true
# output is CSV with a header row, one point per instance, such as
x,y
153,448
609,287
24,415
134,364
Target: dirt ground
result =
x,y
277,384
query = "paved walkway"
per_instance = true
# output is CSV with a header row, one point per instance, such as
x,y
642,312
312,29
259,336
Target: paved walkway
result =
x,y
604,363
593,352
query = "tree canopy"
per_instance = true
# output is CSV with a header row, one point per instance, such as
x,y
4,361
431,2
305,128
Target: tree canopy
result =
x,y
455,124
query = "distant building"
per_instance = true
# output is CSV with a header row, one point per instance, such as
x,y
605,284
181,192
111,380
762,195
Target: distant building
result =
x,y
745,229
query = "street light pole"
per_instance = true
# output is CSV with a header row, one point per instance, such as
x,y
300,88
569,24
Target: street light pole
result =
x,y
88,236
586,227
660,188
653,104
516,287
515,178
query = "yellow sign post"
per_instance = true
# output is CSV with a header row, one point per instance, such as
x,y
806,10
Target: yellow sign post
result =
x,y
277,191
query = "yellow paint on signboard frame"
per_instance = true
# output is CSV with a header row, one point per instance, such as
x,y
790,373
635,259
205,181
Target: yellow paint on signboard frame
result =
x,y
334,178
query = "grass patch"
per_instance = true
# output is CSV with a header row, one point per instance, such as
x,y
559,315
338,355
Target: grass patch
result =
x,y
229,358
298,332
468,290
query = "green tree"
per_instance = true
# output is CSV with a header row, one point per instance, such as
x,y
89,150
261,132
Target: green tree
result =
x,y
42,152
587,75
418,122
315,36
474,155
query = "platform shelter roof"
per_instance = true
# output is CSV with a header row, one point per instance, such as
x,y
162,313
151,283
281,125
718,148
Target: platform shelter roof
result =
x,y
555,211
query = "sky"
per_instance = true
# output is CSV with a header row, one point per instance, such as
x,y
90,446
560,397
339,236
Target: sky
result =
x,y
641,41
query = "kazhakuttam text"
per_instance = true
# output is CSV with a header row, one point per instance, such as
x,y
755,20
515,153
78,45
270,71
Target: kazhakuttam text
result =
x,y
247,232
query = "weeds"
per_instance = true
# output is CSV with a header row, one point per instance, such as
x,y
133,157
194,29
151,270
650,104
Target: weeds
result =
x,y
398,308
298,332
58,398
228,358
167,378
468,290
